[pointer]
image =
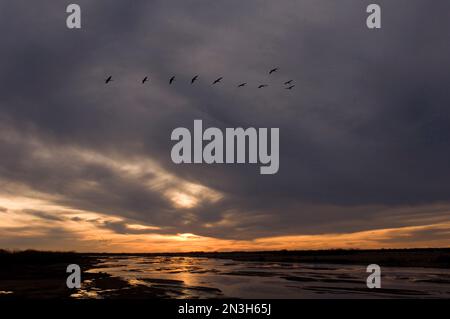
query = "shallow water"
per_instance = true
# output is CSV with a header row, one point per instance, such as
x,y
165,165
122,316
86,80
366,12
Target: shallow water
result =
x,y
186,277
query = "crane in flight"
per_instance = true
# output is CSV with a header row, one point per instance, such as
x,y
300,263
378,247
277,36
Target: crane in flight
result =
x,y
194,79
288,82
262,86
290,87
109,79
172,79
218,80
242,84
273,70
145,80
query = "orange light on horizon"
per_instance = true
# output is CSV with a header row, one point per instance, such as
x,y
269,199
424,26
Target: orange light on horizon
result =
x,y
88,231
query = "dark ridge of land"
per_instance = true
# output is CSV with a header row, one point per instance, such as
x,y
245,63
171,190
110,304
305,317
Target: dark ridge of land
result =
x,y
423,257
38,274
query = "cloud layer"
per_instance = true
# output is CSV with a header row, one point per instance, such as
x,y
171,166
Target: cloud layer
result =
x,y
364,134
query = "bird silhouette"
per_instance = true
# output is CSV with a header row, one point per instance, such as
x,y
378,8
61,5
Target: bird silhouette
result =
x,y
194,79
290,87
242,84
109,79
172,79
145,80
288,82
218,80
273,70
262,86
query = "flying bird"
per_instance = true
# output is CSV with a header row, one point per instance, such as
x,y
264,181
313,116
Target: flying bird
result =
x,y
109,79
262,86
242,84
218,80
273,70
194,79
290,87
172,79
288,82
145,80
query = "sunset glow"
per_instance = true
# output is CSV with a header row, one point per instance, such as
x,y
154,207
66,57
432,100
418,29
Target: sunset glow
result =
x,y
88,231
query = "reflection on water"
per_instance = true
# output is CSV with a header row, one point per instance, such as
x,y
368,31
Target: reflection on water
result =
x,y
184,277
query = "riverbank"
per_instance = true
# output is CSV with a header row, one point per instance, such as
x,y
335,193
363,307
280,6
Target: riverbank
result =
x,y
42,275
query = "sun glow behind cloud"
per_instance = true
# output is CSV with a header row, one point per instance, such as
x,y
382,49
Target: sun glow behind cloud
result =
x,y
85,231
43,220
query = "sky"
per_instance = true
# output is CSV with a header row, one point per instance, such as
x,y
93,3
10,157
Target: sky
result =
x,y
364,134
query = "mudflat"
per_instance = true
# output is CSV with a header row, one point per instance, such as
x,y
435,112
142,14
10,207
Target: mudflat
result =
x,y
408,273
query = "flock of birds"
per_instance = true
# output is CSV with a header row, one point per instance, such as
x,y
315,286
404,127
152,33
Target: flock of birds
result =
x,y
288,84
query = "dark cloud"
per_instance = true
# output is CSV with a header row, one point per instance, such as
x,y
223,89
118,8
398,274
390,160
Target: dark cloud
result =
x,y
44,240
365,131
43,215
122,228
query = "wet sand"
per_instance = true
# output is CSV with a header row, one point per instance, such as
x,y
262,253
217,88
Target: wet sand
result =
x,y
42,275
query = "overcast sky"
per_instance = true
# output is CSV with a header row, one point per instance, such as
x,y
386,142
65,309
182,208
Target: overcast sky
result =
x,y
364,135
